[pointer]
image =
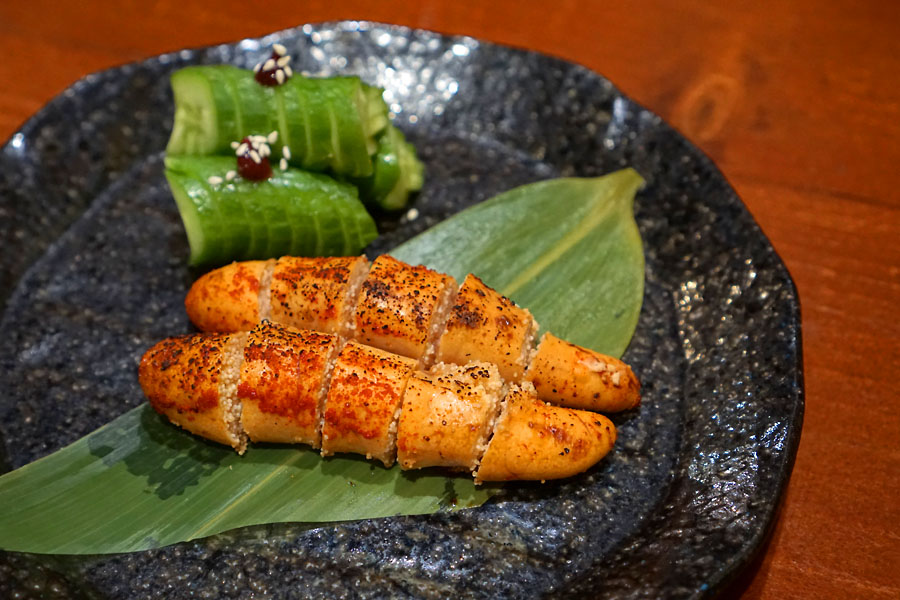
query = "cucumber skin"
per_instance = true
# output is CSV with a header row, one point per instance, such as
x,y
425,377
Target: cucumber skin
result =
x,y
337,111
294,213
398,173
188,135
377,118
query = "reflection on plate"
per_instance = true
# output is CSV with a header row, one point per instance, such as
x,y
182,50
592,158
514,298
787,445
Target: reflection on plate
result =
x,y
94,272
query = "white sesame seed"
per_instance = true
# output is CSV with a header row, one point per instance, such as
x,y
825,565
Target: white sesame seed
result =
x,y
269,65
242,149
257,67
230,175
278,48
412,214
288,71
279,76
273,137
255,156
282,164
264,150
284,60
286,152
214,180
234,145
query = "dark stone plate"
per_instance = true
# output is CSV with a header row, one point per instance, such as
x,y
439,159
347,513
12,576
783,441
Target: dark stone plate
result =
x,y
93,273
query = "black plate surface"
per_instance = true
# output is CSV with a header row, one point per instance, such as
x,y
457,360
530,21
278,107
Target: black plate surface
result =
x,y
93,272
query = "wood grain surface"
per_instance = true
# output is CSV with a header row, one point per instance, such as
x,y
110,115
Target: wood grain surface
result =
x,y
799,105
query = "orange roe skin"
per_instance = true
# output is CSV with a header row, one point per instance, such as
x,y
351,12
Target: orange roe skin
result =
x,y
397,305
310,293
446,418
366,390
180,377
533,440
572,376
227,299
281,383
484,325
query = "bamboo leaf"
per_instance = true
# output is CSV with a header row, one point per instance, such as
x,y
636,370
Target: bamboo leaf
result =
x,y
568,249
141,483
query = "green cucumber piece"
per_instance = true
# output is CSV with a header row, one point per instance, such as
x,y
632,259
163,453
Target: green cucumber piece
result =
x,y
205,115
315,126
398,173
293,213
256,103
411,168
330,124
376,118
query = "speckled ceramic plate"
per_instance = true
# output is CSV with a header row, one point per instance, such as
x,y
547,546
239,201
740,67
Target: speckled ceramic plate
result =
x,y
93,272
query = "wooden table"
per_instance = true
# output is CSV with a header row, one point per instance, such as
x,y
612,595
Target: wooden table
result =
x,y
799,105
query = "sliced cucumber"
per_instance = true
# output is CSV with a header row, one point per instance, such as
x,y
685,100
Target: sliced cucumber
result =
x,y
256,103
357,157
376,116
411,168
319,153
293,213
205,118
329,123
398,173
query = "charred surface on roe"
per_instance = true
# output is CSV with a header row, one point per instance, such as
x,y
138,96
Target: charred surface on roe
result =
x,y
364,401
397,306
311,293
281,380
227,299
485,325
194,363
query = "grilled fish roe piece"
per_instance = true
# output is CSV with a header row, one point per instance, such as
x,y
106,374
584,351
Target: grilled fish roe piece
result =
x,y
534,440
484,325
447,416
452,417
415,312
576,377
316,293
364,402
228,299
193,381
402,308
283,382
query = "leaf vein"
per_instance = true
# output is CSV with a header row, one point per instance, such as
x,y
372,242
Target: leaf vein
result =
x,y
206,528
